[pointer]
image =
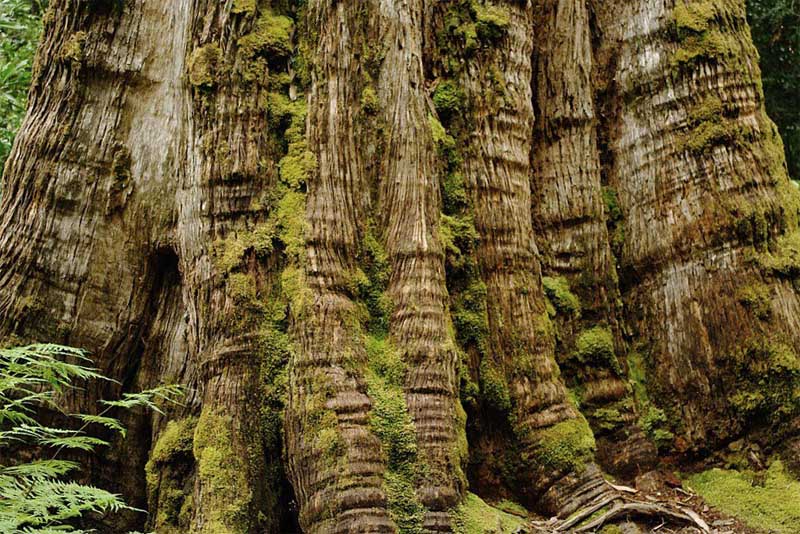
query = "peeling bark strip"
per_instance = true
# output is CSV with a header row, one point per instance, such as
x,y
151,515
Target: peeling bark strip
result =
x,y
276,204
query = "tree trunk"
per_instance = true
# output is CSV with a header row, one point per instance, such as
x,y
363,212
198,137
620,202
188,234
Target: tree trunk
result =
x,y
398,249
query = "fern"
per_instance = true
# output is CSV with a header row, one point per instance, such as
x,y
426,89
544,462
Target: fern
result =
x,y
35,497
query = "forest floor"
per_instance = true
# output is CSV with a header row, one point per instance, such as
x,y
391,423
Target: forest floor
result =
x,y
764,502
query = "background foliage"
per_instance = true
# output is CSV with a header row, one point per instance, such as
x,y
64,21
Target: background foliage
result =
x,y
40,496
776,31
20,25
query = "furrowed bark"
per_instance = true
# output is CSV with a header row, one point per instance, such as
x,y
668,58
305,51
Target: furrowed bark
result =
x,y
521,360
88,204
128,204
570,219
410,208
229,167
707,212
335,460
329,220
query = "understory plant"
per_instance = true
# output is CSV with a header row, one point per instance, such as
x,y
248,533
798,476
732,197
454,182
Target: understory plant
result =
x,y
38,496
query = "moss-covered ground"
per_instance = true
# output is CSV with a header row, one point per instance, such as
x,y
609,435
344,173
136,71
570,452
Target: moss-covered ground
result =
x,y
474,516
771,503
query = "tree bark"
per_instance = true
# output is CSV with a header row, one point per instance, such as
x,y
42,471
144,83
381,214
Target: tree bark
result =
x,y
400,249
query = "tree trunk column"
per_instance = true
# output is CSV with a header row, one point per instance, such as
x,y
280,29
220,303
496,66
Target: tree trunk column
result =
x,y
570,218
410,210
706,203
336,462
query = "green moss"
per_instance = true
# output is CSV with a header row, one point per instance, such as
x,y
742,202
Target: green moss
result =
x,y
757,299
242,287
370,284
449,99
783,258
72,50
440,137
654,422
454,193
392,424
243,6
707,127
385,360
459,29
611,529
271,40
204,65
474,516
165,472
512,508
228,253
652,419
296,290
280,108
558,291
596,345
613,210
458,236
614,219
768,380
494,386
565,446
491,20
176,438
773,506
710,45
223,477
275,350
693,17
369,100
607,419
297,165
707,31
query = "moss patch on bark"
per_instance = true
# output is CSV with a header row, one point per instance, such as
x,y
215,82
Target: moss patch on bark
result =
x,y
204,64
561,297
392,424
564,447
167,472
226,493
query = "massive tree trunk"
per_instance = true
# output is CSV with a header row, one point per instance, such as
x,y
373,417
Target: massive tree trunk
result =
x,y
397,249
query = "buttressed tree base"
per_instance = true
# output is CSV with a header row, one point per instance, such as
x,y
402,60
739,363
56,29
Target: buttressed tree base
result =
x,y
404,250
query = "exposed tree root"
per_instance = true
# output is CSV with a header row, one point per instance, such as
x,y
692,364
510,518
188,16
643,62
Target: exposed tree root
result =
x,y
621,506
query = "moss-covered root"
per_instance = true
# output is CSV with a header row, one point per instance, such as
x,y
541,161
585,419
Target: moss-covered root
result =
x,y
474,516
222,490
168,472
562,454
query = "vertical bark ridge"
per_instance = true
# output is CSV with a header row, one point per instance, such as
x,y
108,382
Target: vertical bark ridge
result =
x,y
229,264
521,360
701,182
335,459
569,215
410,206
